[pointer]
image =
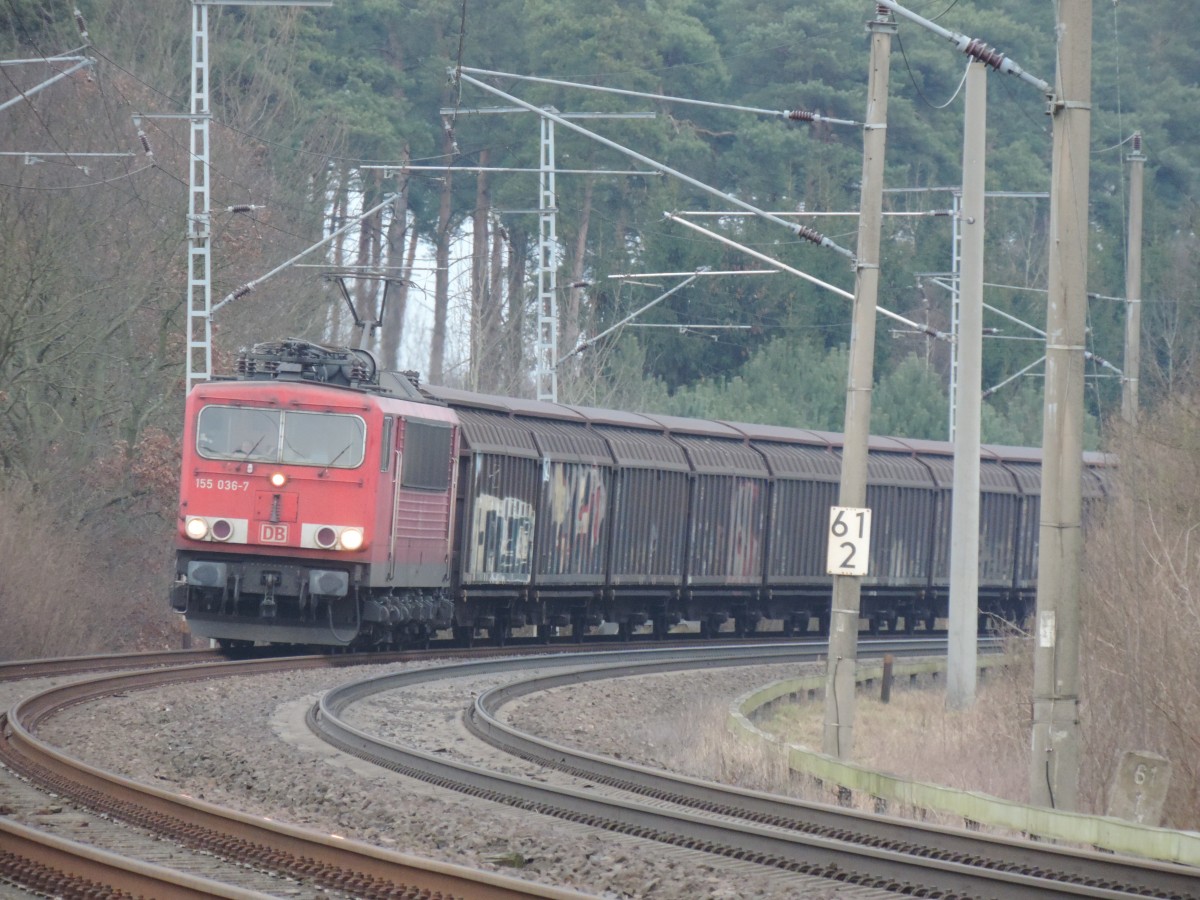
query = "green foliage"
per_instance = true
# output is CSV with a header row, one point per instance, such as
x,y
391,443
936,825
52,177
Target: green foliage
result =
x,y
786,383
322,91
910,401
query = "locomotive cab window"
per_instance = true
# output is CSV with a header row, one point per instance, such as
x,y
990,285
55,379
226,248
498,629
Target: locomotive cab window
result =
x,y
240,433
426,458
269,435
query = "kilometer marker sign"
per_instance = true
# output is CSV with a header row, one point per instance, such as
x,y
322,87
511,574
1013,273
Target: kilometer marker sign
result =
x,y
849,540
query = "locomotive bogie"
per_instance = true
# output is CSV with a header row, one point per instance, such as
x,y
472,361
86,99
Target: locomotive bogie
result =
x,y
267,599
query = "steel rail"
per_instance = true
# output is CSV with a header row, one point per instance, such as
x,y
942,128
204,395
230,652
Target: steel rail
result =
x,y
329,860
1088,869
69,869
75,665
806,853
866,862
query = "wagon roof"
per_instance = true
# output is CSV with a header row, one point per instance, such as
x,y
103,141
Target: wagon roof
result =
x,y
514,406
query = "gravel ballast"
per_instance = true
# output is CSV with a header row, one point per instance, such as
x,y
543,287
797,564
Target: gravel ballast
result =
x,y
243,743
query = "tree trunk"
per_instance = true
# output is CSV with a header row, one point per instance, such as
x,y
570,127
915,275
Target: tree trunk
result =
x,y
492,325
441,300
391,332
337,218
571,324
365,287
515,373
479,275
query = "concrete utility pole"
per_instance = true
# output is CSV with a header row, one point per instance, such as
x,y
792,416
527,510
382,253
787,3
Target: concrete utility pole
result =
x,y
847,589
1054,767
964,519
1133,285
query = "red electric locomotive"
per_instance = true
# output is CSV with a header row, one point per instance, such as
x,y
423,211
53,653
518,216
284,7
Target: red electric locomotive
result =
x,y
316,504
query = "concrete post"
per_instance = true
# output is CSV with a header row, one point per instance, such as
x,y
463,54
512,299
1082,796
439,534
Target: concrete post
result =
x,y
1054,767
1133,285
838,739
964,520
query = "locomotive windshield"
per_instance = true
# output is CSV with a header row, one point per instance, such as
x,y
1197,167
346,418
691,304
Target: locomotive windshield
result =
x,y
277,436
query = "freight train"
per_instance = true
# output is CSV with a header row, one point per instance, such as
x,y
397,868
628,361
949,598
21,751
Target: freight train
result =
x,y
325,502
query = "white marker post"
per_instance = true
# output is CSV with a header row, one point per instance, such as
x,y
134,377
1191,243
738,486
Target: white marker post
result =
x,y
849,541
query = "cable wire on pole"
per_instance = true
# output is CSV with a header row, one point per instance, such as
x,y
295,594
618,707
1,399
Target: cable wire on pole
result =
x,y
803,231
794,115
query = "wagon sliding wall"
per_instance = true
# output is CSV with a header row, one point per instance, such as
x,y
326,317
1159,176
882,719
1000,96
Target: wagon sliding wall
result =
x,y
570,516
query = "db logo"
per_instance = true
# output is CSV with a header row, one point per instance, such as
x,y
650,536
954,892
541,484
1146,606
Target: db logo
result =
x,y
273,534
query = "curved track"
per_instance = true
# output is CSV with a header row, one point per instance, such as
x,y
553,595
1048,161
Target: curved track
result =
x,y
793,836
283,859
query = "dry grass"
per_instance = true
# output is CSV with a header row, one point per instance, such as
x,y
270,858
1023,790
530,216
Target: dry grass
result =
x,y
68,590
1141,613
1140,687
985,748
697,742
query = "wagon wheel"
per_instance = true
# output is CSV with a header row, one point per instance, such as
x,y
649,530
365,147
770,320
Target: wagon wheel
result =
x,y
499,632
710,627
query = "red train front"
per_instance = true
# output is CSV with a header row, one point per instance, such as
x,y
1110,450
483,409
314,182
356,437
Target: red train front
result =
x,y
316,503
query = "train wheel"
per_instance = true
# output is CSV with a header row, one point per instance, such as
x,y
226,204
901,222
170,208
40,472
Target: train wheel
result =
x,y
823,624
578,629
743,626
464,635
624,632
660,628
499,633
892,618
930,621
910,623
873,623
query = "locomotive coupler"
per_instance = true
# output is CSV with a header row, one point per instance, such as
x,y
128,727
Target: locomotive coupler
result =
x,y
267,608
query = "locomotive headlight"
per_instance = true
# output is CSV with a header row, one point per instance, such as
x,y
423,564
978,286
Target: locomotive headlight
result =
x,y
278,479
351,538
196,528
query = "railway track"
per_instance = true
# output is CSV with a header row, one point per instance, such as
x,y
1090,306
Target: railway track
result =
x,y
166,845
765,832
817,840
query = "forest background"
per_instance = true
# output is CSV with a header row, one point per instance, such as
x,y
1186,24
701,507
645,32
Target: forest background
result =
x,y
306,102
